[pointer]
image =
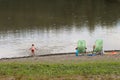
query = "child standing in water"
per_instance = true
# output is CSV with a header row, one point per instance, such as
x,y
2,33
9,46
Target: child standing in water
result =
x,y
33,49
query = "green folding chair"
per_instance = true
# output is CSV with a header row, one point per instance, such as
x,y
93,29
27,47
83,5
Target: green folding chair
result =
x,y
81,45
98,46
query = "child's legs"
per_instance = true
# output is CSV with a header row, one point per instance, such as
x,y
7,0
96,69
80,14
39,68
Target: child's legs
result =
x,y
76,53
33,52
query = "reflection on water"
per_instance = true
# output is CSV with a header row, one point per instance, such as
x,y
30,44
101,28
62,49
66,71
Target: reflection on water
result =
x,y
56,25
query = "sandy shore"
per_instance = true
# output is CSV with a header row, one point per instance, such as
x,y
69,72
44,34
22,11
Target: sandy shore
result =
x,y
62,58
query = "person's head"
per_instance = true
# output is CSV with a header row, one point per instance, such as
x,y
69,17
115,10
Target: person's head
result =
x,y
32,44
76,48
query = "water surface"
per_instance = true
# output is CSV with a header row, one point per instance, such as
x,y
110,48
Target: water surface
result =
x,y
55,26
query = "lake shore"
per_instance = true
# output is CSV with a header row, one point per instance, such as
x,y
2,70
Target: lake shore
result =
x,y
61,67
62,57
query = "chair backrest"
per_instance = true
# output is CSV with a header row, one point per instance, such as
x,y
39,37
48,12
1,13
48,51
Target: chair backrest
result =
x,y
98,45
81,45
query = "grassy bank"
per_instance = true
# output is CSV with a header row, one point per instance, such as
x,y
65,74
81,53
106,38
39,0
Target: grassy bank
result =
x,y
107,70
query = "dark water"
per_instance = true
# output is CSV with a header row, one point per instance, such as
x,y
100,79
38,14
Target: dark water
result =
x,y
55,26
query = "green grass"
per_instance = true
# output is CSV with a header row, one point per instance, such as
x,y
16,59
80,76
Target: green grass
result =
x,y
69,71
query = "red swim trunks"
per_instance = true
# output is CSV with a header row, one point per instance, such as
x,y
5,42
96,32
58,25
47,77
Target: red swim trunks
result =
x,y
32,50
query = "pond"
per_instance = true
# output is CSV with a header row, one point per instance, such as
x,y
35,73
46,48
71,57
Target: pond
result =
x,y
55,26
